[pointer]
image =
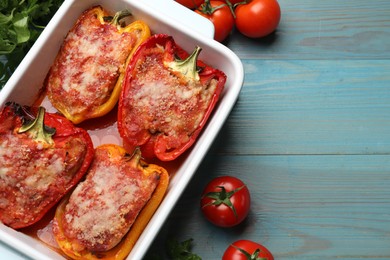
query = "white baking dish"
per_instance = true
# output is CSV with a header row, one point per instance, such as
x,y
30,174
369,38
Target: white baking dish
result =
x,y
163,16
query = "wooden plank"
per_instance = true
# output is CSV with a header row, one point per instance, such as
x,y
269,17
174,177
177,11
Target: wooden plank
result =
x,y
311,107
334,29
303,207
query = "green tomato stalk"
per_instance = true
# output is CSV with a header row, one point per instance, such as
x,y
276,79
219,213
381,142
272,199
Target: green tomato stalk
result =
x,y
222,197
254,256
206,7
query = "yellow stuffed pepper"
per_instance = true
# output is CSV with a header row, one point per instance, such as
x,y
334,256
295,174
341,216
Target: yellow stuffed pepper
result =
x,y
106,213
85,79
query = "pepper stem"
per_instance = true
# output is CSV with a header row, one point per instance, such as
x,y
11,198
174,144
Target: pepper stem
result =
x,y
187,67
135,157
117,17
37,129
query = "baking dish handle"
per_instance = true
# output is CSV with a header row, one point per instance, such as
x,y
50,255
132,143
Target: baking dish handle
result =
x,y
185,16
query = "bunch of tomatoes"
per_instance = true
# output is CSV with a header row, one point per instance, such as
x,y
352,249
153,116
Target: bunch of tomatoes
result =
x,y
225,202
252,18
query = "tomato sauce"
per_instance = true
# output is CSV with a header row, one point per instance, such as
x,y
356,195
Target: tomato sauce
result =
x,y
42,231
103,130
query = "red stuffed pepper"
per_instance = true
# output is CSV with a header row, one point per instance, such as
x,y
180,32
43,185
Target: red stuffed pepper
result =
x,y
41,158
167,98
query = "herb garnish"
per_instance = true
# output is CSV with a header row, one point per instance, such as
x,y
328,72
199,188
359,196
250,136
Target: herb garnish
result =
x,y
21,22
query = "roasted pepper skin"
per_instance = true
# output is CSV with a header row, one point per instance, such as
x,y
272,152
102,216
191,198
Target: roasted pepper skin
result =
x,y
154,141
144,33
57,143
121,250
64,102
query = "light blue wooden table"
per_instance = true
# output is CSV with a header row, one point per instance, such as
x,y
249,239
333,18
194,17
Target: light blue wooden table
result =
x,y
310,135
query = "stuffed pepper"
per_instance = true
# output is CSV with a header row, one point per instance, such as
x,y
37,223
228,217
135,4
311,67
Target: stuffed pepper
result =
x,y
85,80
107,212
167,98
42,156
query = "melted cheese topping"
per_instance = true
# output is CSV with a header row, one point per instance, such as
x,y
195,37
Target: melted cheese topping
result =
x,y
19,160
164,103
102,209
88,65
33,177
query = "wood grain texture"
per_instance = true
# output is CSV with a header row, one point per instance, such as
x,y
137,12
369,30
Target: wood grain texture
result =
x,y
303,207
310,135
313,29
311,107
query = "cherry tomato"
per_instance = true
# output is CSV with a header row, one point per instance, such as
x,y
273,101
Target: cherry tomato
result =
x,y
247,249
225,201
192,4
257,18
219,13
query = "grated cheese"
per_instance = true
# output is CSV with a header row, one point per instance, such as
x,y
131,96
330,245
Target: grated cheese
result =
x,y
101,209
165,103
88,65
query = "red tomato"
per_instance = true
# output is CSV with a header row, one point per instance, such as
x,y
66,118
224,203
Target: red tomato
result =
x,y
220,15
258,18
247,249
225,201
192,4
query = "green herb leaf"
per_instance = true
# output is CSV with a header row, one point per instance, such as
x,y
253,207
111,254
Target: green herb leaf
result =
x,y
4,19
182,250
21,23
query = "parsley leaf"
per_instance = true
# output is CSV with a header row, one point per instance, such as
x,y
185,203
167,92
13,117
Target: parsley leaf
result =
x,y
21,22
181,250
175,251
